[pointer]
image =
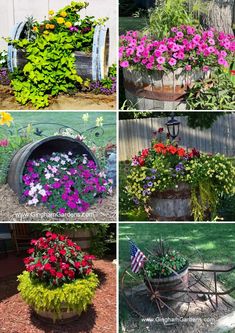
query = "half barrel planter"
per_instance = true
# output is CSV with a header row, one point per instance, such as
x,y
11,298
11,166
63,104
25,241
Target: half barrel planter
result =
x,y
171,205
93,66
169,288
44,147
158,90
83,237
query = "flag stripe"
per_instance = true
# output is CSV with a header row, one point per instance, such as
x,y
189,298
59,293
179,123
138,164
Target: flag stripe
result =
x,y
137,258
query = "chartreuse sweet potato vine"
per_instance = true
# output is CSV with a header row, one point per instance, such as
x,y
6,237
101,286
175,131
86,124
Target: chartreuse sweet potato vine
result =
x,y
75,296
49,51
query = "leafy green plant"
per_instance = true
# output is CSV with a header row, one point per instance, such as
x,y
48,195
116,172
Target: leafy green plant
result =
x,y
164,166
215,93
163,261
172,13
75,296
3,59
10,142
50,67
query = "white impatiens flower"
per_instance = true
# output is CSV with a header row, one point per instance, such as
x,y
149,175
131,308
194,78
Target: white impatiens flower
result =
x,y
42,192
85,117
48,175
70,153
102,174
34,201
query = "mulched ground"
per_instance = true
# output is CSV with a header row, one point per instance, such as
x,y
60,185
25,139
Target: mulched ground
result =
x,y
11,210
16,316
79,101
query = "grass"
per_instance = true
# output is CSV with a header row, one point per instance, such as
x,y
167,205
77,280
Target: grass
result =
x,y
215,243
131,23
50,122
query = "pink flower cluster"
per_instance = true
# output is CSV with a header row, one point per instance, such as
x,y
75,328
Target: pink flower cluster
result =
x,y
186,48
4,143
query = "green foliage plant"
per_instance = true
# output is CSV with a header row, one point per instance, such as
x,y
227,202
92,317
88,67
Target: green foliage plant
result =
x,y
75,296
50,67
215,93
163,261
164,166
172,13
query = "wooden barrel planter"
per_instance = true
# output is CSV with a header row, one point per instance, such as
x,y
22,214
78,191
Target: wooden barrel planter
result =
x,y
83,237
158,91
66,316
171,205
169,287
93,66
35,150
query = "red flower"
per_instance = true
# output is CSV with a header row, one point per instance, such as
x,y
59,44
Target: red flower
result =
x,y
141,161
51,252
145,153
77,264
78,248
63,252
33,242
59,275
47,266
54,236
89,257
181,152
172,149
88,271
160,130
53,272
71,274
159,147
62,237
84,263
48,234
31,250
52,259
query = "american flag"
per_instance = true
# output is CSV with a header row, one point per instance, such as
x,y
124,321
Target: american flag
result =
x,y
137,258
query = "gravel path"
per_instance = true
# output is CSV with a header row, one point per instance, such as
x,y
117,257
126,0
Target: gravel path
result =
x,y
11,210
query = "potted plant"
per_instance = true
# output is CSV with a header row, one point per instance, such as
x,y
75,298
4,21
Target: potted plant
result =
x,y
177,184
163,69
166,271
58,282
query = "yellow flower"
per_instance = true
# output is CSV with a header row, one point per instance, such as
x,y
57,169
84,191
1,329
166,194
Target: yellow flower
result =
x,y
47,26
51,12
99,121
60,20
46,32
6,118
85,117
68,24
35,28
63,14
52,26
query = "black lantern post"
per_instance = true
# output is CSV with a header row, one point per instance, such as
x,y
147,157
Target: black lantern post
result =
x,y
173,126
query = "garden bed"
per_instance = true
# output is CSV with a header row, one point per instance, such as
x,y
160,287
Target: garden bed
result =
x,y
12,210
15,315
81,101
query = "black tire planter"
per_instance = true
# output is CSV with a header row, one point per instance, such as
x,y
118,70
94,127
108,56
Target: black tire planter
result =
x,y
34,150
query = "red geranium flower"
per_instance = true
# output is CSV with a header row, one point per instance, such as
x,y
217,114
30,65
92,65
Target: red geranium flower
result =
x,y
52,259
62,252
59,275
31,250
47,266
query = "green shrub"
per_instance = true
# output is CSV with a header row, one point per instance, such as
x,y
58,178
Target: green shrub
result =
x,y
76,296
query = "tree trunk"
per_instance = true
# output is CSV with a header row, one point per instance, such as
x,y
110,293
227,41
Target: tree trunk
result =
x,y
221,15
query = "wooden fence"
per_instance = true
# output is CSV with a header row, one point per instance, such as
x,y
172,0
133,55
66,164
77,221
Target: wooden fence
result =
x,y
12,11
136,134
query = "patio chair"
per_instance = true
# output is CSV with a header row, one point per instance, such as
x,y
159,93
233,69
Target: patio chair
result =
x,y
21,236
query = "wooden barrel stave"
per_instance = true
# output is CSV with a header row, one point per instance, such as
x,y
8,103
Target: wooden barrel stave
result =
x,y
39,149
171,205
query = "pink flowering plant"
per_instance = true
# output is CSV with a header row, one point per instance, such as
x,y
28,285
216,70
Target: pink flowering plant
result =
x,y
64,183
56,259
187,48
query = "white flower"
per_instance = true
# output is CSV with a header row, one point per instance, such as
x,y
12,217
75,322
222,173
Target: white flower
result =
x,y
99,121
85,117
102,174
34,201
63,162
48,175
69,153
42,192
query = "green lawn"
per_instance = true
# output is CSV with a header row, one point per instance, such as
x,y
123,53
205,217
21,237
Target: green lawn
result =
x,y
214,243
131,23
51,122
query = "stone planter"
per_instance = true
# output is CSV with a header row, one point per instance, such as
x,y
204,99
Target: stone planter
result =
x,y
171,205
